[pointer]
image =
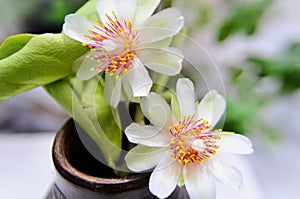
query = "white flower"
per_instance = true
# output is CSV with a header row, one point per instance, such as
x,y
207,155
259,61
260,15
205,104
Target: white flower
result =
x,y
124,40
185,148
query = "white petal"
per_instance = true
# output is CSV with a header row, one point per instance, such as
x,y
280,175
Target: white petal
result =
x,y
163,179
165,23
198,184
186,96
150,106
142,158
112,90
126,9
85,67
147,135
234,143
212,107
139,79
76,27
104,7
224,172
144,10
158,44
166,61
108,45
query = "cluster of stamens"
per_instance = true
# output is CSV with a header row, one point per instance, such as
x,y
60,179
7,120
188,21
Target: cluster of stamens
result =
x,y
118,58
189,131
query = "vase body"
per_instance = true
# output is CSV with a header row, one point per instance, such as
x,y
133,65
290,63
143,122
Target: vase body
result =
x,y
79,175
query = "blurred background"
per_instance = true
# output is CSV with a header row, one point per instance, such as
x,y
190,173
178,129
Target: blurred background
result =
x,y
256,48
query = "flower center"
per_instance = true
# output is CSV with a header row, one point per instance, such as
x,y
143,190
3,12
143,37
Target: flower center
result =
x,y
114,44
193,141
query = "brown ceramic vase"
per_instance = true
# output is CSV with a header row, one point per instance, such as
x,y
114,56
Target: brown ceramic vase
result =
x,y
80,176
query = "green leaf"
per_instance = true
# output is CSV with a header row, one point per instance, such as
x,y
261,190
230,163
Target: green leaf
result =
x,y
84,101
13,44
43,59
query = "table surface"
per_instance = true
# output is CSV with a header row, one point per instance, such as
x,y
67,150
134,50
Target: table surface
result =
x,y
26,169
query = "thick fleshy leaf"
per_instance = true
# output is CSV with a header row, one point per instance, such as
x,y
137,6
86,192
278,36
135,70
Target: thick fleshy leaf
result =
x,y
144,10
44,59
13,44
112,90
165,23
84,101
224,172
155,100
147,135
139,79
76,27
234,143
163,179
142,158
162,60
211,107
198,184
186,97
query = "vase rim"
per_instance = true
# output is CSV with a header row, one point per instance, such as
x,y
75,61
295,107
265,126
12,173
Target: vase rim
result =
x,y
74,175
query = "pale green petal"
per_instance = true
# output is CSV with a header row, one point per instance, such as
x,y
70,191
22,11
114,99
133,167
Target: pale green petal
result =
x,y
165,23
147,135
85,67
163,179
186,97
112,90
76,27
142,158
167,61
156,117
211,107
234,143
144,10
224,172
198,184
139,79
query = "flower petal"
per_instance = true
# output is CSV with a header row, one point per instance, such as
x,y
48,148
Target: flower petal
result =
x,y
166,61
158,44
153,102
186,96
147,135
198,184
84,67
126,9
76,27
142,158
104,7
144,10
163,179
224,172
165,23
212,107
234,143
139,79
112,90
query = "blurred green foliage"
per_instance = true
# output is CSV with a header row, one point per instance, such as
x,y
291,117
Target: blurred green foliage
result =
x,y
286,68
243,18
